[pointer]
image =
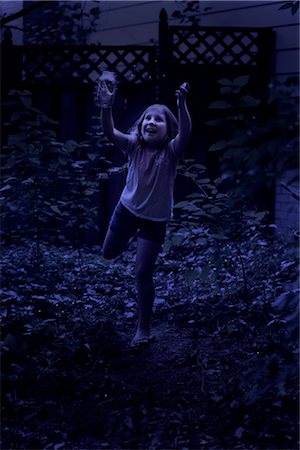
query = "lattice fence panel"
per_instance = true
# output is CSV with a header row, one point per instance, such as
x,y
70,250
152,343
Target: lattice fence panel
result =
x,y
67,64
215,47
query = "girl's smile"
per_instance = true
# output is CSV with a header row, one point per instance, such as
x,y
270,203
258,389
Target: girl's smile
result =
x,y
154,127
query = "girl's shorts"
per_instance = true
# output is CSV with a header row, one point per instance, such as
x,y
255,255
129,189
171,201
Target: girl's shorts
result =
x,y
128,225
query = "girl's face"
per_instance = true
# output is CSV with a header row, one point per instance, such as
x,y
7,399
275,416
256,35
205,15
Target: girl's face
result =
x,y
154,127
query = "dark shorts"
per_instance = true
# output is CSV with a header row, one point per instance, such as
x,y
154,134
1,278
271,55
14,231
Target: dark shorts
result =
x,y
128,225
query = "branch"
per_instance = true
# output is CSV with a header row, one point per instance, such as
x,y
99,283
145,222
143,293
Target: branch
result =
x,y
291,191
11,27
22,12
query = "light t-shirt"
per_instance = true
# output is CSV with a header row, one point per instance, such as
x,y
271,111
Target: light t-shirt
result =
x,y
148,192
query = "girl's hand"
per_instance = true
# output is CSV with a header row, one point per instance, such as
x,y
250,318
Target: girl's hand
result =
x,y
105,93
182,92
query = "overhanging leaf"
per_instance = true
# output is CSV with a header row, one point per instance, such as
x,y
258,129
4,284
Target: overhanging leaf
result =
x,y
247,101
220,145
225,82
220,104
241,81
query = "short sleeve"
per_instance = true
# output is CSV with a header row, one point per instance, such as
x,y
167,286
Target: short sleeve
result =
x,y
129,147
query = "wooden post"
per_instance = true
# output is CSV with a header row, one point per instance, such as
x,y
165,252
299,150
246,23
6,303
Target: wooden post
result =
x,y
164,55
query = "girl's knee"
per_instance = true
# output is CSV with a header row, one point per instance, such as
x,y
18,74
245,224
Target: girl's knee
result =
x,y
113,246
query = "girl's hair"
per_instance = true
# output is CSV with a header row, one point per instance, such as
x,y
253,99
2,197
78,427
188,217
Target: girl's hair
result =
x,y
172,123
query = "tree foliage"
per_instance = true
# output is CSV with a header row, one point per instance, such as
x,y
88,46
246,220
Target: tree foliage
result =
x,y
48,187
67,23
190,12
259,137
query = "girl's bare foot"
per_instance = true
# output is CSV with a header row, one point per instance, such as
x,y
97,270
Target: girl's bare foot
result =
x,y
141,337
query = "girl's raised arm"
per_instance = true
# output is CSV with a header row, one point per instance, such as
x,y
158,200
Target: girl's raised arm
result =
x,y
184,121
105,99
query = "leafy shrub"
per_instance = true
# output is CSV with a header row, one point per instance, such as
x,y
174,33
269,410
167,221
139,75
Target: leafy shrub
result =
x,y
259,136
234,260
48,187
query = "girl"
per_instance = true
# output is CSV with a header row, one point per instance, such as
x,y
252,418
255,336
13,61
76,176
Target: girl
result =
x,y
154,146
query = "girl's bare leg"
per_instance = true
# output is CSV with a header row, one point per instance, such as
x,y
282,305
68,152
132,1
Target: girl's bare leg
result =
x,y
114,244
147,252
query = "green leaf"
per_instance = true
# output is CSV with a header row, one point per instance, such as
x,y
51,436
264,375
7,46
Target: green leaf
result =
x,y
238,141
220,237
226,90
6,188
59,446
10,341
195,195
225,82
177,240
16,138
201,241
215,122
247,101
55,209
191,275
220,145
215,210
203,214
181,204
261,215
26,101
116,170
239,432
70,145
50,121
241,81
204,271
191,208
220,104
103,176
129,422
